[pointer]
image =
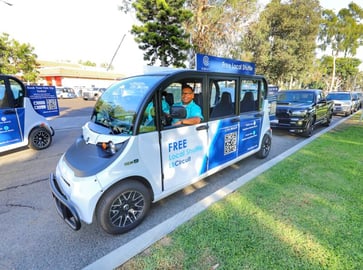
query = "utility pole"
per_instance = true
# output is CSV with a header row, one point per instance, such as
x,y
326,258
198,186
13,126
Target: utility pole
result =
x,y
114,55
7,3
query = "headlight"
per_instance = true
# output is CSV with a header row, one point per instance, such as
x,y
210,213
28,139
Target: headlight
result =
x,y
299,113
108,147
346,104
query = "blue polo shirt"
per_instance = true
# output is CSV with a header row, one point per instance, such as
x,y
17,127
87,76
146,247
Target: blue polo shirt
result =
x,y
193,110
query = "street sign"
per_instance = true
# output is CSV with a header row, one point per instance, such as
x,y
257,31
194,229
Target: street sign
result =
x,y
218,64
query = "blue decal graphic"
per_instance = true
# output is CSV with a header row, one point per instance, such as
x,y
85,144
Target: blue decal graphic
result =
x,y
224,145
249,135
44,100
10,132
233,140
218,64
180,153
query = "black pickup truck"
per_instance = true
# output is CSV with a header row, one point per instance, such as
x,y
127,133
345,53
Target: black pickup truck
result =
x,y
299,111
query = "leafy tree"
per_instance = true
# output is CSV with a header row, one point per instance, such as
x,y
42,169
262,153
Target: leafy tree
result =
x,y
342,33
282,41
347,71
87,63
217,26
106,66
161,34
126,6
17,58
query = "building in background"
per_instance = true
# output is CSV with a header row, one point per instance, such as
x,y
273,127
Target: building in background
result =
x,y
75,75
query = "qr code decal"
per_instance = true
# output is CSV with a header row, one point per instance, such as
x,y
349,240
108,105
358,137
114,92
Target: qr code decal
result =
x,y
230,143
51,104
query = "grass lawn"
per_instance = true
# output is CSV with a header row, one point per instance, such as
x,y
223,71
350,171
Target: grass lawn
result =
x,y
304,213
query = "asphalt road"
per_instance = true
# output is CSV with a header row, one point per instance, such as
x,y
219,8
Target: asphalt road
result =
x,y
34,236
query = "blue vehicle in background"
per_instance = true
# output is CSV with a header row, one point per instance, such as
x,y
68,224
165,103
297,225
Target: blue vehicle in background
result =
x,y
21,120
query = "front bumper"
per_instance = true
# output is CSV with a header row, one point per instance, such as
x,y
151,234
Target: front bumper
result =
x,y
64,207
341,110
293,125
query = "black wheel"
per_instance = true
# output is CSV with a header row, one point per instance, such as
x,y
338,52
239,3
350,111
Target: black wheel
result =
x,y
123,207
40,138
309,129
265,147
328,120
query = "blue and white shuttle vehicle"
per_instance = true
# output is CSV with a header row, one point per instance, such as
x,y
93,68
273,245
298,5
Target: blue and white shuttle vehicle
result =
x,y
130,156
20,123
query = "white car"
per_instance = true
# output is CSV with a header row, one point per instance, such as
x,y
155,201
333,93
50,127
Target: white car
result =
x,y
92,93
65,92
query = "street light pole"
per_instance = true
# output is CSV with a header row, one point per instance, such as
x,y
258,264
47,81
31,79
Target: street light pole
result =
x,y
7,3
114,55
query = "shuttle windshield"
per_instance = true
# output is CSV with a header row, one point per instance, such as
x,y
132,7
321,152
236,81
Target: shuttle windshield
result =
x,y
116,109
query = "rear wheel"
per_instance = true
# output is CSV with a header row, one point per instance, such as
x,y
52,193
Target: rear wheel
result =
x,y
265,147
123,207
40,138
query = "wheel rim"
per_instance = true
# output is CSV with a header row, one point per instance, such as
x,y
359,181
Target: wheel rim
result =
x,y
41,139
127,208
311,128
266,146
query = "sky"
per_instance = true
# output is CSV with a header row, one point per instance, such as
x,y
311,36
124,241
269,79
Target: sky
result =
x,y
86,30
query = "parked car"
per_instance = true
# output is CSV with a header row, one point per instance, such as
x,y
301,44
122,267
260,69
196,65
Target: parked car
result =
x,y
92,93
299,111
357,101
21,120
360,97
343,103
65,92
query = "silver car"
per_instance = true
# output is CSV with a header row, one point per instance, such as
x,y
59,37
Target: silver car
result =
x,y
357,101
343,102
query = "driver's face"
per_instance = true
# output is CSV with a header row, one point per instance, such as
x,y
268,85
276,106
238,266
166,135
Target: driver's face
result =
x,y
187,95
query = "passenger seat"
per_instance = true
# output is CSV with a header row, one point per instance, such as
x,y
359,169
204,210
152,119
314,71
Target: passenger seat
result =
x,y
224,107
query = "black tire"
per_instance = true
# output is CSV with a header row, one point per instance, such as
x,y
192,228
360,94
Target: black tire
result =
x,y
40,138
265,147
309,129
123,207
328,120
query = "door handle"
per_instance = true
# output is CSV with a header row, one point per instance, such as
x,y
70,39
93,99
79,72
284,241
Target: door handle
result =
x,y
203,127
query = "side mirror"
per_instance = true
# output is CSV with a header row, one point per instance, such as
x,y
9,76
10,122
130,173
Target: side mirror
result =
x,y
178,112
